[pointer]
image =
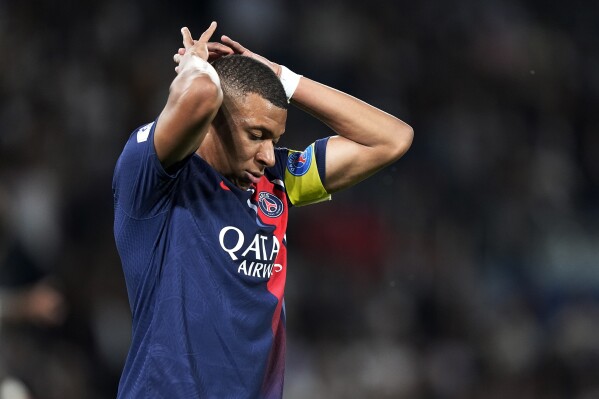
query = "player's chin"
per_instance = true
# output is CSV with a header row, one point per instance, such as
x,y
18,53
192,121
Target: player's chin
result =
x,y
242,183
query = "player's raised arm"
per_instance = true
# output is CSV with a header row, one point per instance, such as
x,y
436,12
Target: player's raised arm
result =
x,y
194,98
369,139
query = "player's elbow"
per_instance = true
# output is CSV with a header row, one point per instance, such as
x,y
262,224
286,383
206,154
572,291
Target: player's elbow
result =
x,y
401,141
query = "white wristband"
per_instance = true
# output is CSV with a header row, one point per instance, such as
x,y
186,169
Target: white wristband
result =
x,y
290,80
203,66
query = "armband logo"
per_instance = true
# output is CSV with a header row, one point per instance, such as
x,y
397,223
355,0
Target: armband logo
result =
x,y
298,163
270,204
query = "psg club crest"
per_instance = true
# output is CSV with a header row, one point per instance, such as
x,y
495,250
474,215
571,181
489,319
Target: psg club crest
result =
x,y
298,163
270,204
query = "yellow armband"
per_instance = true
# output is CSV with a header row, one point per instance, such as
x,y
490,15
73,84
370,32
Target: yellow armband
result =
x,y
302,180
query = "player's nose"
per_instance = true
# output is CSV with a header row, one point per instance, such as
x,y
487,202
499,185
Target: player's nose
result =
x,y
266,154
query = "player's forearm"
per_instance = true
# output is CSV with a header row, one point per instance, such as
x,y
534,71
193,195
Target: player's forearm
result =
x,y
195,93
194,98
354,119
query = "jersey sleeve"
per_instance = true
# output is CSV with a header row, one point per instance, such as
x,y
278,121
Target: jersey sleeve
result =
x,y
305,173
140,185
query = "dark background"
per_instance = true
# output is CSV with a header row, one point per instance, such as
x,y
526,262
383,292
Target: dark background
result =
x,y
469,269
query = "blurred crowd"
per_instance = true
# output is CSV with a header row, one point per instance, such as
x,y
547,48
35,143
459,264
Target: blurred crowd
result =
x,y
469,269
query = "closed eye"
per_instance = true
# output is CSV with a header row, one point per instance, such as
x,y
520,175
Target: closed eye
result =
x,y
255,136
262,134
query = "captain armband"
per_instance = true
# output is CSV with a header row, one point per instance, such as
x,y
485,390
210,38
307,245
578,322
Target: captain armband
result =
x,y
302,178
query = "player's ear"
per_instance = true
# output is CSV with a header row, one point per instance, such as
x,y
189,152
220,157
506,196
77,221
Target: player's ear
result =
x,y
220,120
223,125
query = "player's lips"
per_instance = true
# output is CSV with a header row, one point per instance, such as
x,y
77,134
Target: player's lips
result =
x,y
253,177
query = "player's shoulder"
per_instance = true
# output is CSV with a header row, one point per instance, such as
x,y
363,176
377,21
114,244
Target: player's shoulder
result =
x,y
281,152
278,170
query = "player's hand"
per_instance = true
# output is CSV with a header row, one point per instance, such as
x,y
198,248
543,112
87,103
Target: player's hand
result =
x,y
195,48
237,48
215,50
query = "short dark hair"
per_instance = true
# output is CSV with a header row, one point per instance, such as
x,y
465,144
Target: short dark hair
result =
x,y
240,75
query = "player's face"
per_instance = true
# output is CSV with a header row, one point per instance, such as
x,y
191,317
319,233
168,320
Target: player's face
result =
x,y
250,128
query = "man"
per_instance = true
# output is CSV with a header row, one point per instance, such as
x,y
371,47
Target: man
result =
x,y
201,198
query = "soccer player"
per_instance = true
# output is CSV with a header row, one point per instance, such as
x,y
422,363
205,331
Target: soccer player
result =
x,y
201,197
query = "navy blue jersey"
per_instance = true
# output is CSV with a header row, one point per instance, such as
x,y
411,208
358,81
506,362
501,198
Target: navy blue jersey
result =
x,y
205,266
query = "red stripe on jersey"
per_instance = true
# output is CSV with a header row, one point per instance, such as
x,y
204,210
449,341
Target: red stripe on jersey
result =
x,y
224,186
276,283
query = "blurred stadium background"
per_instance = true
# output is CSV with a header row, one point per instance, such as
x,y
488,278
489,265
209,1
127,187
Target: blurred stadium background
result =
x,y
469,269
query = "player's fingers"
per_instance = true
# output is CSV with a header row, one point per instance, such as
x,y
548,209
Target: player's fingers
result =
x,y
213,55
181,51
187,40
177,58
217,47
208,33
236,46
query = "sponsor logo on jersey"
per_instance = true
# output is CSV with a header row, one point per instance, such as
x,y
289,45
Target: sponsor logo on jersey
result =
x,y
254,256
270,204
298,163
